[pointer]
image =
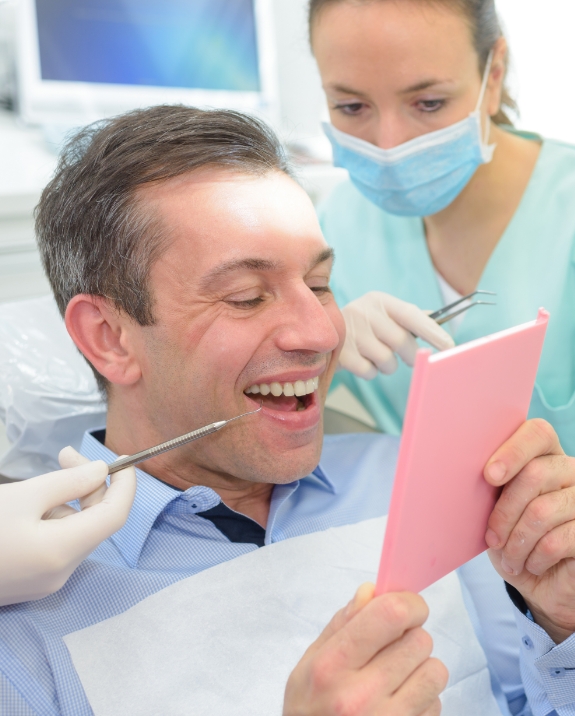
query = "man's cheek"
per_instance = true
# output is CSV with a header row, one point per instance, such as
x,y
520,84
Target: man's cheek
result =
x,y
339,324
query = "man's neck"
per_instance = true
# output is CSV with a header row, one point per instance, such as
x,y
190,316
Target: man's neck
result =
x,y
251,499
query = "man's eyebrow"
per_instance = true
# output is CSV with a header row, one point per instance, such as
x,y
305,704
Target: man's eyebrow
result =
x,y
324,255
254,264
238,265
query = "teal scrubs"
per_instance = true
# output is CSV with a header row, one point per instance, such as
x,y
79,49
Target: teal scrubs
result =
x,y
532,266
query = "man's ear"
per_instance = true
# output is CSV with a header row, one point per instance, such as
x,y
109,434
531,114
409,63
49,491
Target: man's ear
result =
x,y
100,332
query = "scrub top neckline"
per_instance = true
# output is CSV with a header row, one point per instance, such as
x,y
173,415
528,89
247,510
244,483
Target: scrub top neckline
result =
x,y
485,279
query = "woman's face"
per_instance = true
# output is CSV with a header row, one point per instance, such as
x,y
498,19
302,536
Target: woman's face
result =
x,y
393,71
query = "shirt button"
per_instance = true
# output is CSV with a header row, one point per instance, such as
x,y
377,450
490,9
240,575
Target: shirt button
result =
x,y
194,507
557,673
527,643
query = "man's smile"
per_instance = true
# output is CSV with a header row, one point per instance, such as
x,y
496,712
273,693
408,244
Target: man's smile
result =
x,y
295,402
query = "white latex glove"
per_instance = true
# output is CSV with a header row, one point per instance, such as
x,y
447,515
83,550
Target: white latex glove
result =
x,y
43,540
379,326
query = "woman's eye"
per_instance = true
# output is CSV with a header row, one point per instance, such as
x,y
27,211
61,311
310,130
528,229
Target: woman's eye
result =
x,y
249,303
351,108
430,105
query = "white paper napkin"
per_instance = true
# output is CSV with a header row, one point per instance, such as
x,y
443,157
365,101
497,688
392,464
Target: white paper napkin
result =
x,y
224,641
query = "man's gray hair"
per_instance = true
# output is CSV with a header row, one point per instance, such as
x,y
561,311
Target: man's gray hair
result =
x,y
93,234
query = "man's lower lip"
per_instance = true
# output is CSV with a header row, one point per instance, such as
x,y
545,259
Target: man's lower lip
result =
x,y
297,419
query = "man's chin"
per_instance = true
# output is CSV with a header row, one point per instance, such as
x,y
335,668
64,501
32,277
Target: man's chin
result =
x,y
283,462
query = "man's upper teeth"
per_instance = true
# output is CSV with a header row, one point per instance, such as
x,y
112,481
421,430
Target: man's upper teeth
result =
x,y
300,387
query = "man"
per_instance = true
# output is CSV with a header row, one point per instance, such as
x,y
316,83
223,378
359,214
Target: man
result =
x,y
194,278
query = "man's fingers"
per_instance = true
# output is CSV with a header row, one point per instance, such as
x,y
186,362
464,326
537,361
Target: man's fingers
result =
x,y
419,694
434,709
542,515
391,667
362,597
533,439
382,621
543,475
556,545
57,488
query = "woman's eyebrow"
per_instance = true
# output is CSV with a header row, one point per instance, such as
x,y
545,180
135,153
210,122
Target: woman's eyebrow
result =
x,y
347,90
423,85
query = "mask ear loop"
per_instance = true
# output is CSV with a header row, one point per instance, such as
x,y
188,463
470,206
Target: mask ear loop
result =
x,y
482,95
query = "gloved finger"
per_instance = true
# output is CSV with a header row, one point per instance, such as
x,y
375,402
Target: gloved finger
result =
x,y
351,360
378,353
84,531
395,336
69,457
56,513
418,322
57,488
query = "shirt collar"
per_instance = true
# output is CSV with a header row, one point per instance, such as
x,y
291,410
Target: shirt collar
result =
x,y
153,496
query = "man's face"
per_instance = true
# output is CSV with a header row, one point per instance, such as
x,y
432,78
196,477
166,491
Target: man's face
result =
x,y
241,299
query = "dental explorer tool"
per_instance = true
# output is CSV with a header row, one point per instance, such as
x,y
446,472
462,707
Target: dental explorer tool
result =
x,y
130,460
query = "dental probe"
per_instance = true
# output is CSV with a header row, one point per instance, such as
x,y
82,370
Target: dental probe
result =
x,y
130,460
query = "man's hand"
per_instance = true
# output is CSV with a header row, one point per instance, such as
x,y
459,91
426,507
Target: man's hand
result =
x,y
371,660
531,531
43,540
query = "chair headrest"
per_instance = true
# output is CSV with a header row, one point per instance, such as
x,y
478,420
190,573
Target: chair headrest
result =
x,y
48,394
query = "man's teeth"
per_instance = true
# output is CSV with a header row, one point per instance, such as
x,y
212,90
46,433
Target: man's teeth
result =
x,y
300,387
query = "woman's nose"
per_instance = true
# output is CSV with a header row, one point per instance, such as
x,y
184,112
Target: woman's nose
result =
x,y
390,131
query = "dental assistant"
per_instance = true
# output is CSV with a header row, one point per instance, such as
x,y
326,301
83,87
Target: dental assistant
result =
x,y
445,196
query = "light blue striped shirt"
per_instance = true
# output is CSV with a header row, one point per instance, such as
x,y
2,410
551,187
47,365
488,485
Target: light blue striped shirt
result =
x,y
165,540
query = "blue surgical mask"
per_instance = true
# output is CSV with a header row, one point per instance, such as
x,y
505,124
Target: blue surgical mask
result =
x,y
422,176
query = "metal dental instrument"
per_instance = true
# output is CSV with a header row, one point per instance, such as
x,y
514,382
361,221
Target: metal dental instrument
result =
x,y
130,460
443,314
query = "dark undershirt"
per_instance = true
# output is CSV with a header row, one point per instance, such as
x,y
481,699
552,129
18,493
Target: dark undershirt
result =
x,y
233,525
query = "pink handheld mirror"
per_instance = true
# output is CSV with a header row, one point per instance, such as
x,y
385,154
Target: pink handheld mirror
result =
x,y
463,404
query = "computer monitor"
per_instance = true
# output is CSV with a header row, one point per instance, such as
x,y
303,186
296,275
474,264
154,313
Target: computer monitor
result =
x,y
82,60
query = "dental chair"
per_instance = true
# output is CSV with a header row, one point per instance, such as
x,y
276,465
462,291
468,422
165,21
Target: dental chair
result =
x,y
49,396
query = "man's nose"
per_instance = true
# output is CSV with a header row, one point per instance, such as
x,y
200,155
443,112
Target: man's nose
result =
x,y
306,325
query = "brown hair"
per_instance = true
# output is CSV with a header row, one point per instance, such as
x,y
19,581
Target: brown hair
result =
x,y
93,234
485,26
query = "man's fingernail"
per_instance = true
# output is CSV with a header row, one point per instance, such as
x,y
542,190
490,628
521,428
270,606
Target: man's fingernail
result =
x,y
505,567
492,539
497,471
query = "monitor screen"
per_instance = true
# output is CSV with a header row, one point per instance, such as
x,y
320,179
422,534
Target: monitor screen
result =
x,y
194,44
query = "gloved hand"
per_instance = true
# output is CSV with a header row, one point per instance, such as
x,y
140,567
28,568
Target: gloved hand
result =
x,y
43,540
379,326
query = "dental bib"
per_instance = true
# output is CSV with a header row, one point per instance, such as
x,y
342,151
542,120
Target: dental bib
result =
x,y
225,640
